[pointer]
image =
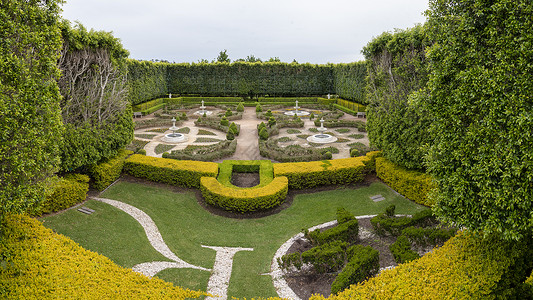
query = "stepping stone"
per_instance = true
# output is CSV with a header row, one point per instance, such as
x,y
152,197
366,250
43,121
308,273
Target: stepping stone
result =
x,y
377,198
86,210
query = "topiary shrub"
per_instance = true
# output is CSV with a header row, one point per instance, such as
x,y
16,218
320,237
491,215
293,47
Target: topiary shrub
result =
x,y
383,224
401,250
329,257
328,155
263,134
224,121
363,263
268,114
141,152
240,107
233,128
228,113
346,232
258,108
271,122
428,236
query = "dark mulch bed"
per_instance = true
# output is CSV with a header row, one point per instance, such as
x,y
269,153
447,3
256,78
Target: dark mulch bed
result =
x,y
245,179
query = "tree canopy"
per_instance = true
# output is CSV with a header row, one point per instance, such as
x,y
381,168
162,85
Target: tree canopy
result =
x,y
480,89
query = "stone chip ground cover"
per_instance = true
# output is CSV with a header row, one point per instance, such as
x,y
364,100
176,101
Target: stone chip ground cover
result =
x,y
185,226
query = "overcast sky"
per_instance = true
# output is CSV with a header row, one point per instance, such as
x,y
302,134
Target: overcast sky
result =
x,y
315,31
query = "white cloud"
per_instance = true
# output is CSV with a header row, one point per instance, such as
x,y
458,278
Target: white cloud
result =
x,y
186,31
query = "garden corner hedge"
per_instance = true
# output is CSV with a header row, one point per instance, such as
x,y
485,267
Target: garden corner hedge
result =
x,y
185,173
107,172
412,184
40,264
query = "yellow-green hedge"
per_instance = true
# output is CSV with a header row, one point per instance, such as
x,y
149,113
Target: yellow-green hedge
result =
x,y
412,184
247,199
107,172
315,173
37,263
65,192
176,172
466,267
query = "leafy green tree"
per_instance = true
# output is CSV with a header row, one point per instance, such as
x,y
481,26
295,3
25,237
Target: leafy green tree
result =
x,y
397,70
480,100
30,118
223,57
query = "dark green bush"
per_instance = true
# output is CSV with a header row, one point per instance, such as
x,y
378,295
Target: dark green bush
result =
x,y
401,250
363,263
224,121
394,225
65,192
329,257
428,236
346,232
344,216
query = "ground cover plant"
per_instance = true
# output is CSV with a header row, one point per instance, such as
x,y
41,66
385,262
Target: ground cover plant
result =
x,y
185,226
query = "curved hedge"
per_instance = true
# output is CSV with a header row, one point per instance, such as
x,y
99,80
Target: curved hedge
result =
x,y
326,172
183,173
107,172
247,199
466,267
412,184
40,264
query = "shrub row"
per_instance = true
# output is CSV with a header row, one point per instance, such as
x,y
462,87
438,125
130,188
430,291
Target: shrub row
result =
x,y
247,199
428,236
65,192
148,104
146,80
40,264
105,173
329,257
465,267
349,81
346,232
205,153
394,225
291,153
334,123
412,184
364,263
183,173
315,173
155,123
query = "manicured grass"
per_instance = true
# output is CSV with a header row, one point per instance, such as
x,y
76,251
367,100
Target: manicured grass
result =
x,y
205,132
357,136
185,226
293,131
161,148
145,136
343,130
207,140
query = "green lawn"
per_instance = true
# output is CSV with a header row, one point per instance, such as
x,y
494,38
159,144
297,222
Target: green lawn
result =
x,y
185,226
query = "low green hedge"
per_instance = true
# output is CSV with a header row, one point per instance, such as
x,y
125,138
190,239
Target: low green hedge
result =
x,y
327,172
326,258
465,267
65,192
428,236
148,104
364,263
401,250
347,232
244,200
105,173
37,263
153,108
185,173
205,153
394,225
413,185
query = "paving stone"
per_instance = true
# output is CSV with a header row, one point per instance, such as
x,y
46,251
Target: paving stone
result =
x,y
85,211
377,198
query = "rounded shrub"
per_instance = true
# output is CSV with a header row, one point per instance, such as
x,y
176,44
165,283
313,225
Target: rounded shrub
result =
x,y
228,113
271,121
240,107
224,121
258,108
263,134
328,155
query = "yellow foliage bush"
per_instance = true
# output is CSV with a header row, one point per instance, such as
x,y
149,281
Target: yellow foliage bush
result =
x,y
412,184
37,263
326,172
466,267
244,199
176,172
64,192
107,172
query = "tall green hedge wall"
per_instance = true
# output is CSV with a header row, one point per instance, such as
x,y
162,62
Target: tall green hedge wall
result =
x,y
146,80
150,80
350,81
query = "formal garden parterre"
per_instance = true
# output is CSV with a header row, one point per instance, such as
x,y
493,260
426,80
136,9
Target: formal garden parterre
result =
x,y
448,106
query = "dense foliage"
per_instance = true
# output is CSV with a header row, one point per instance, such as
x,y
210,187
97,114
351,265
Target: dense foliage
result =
x,y
349,80
95,108
397,69
30,120
146,80
480,90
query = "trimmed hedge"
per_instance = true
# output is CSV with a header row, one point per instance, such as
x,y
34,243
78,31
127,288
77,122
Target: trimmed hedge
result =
x,y
327,172
346,232
466,267
107,172
265,169
206,153
185,173
412,184
40,264
364,263
428,236
66,192
401,250
244,199
394,225
328,257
